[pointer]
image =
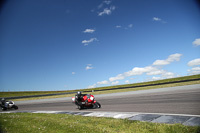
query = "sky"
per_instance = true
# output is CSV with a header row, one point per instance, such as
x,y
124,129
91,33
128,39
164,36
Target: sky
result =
x,y
49,45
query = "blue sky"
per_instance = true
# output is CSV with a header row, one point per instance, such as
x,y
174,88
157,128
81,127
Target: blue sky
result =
x,y
76,44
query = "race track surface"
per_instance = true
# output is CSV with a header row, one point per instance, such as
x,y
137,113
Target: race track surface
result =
x,y
173,100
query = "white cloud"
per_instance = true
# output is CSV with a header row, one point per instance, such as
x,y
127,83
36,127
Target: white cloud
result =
x,y
140,71
161,62
127,27
127,82
89,66
118,26
118,77
73,73
168,75
114,83
163,75
194,62
107,2
100,6
107,11
156,72
156,19
196,42
148,70
156,78
174,57
134,71
92,86
103,82
194,71
170,59
105,8
86,42
89,30
130,25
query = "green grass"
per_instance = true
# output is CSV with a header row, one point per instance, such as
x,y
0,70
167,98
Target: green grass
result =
x,y
13,94
152,82
28,93
63,123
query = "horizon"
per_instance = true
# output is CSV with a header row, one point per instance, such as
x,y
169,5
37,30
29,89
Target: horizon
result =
x,y
65,45
102,86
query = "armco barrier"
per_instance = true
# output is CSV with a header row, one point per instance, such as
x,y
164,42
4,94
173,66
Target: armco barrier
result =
x,y
134,86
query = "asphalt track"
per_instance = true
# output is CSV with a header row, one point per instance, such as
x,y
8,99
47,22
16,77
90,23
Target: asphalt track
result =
x,y
172,100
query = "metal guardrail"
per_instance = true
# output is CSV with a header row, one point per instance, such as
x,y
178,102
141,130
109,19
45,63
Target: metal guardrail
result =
x,y
43,95
134,86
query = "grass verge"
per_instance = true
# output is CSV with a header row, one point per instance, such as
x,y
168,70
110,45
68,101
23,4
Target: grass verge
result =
x,y
63,123
114,91
12,94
